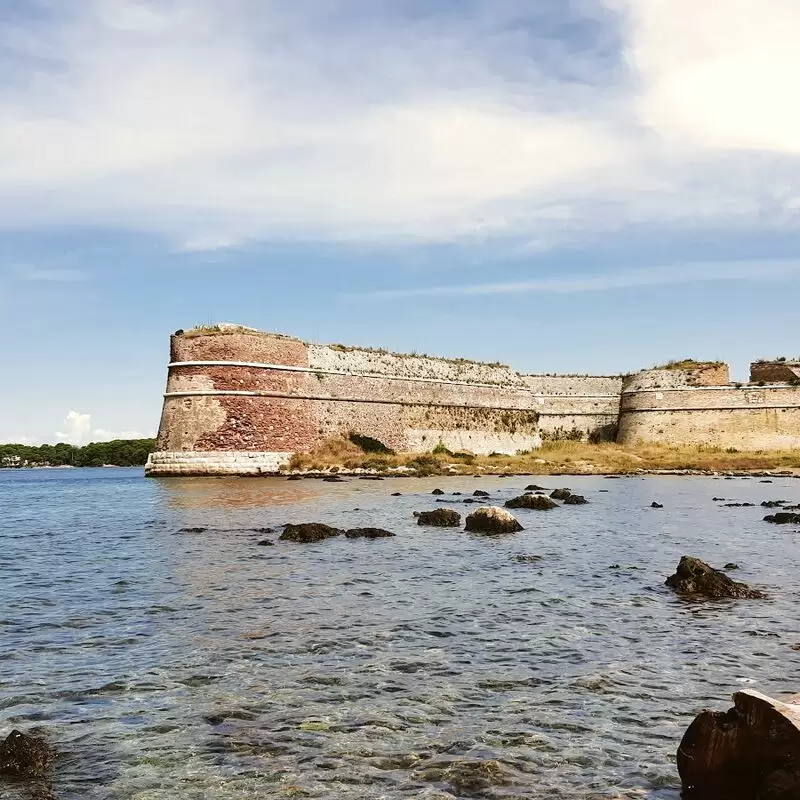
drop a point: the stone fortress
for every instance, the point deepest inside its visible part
(241, 401)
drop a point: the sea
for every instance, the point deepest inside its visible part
(168, 645)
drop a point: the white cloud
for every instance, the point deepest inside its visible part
(652, 276)
(77, 428)
(214, 123)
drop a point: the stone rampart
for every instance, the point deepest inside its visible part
(240, 401)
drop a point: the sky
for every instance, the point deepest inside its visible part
(587, 186)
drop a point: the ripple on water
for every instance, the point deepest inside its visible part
(168, 661)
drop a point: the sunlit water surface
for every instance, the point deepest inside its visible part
(166, 664)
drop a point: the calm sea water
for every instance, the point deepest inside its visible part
(166, 664)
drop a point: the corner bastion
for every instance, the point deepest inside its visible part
(242, 401)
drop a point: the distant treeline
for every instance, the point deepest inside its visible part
(119, 453)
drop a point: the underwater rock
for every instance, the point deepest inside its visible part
(24, 756)
(534, 501)
(368, 533)
(309, 532)
(695, 577)
(492, 519)
(440, 518)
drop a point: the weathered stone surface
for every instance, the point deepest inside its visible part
(560, 494)
(24, 756)
(309, 532)
(492, 519)
(695, 577)
(783, 518)
(534, 501)
(575, 500)
(440, 518)
(368, 533)
(751, 752)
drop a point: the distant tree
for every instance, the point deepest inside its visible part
(119, 453)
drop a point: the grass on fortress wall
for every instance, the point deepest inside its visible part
(553, 457)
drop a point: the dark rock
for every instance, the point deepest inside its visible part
(440, 518)
(417, 513)
(603, 490)
(739, 505)
(533, 501)
(480, 493)
(718, 499)
(765, 481)
(695, 577)
(309, 532)
(491, 520)
(534, 488)
(24, 756)
(265, 543)
(397, 494)
(368, 533)
(437, 491)
(656, 505)
(370, 478)
(333, 479)
(773, 503)
(751, 752)
(263, 530)
(731, 565)
(560, 494)
(457, 494)
(575, 500)
(527, 559)
(294, 478)
(783, 518)
(193, 530)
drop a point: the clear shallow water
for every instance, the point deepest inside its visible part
(200, 665)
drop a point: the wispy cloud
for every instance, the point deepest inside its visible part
(218, 123)
(650, 276)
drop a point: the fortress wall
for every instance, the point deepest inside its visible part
(746, 418)
(574, 385)
(774, 371)
(714, 375)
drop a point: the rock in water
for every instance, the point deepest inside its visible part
(751, 752)
(24, 756)
(534, 488)
(783, 518)
(480, 493)
(440, 518)
(560, 494)
(534, 501)
(368, 533)
(492, 519)
(437, 491)
(654, 504)
(575, 500)
(694, 576)
(309, 532)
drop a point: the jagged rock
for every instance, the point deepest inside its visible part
(783, 518)
(440, 518)
(437, 491)
(492, 519)
(368, 533)
(480, 493)
(534, 488)
(773, 503)
(656, 505)
(309, 532)
(751, 752)
(731, 565)
(575, 500)
(24, 756)
(560, 494)
(534, 501)
(695, 577)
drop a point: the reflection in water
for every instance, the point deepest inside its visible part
(435, 664)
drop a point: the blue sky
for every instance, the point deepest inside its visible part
(585, 185)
